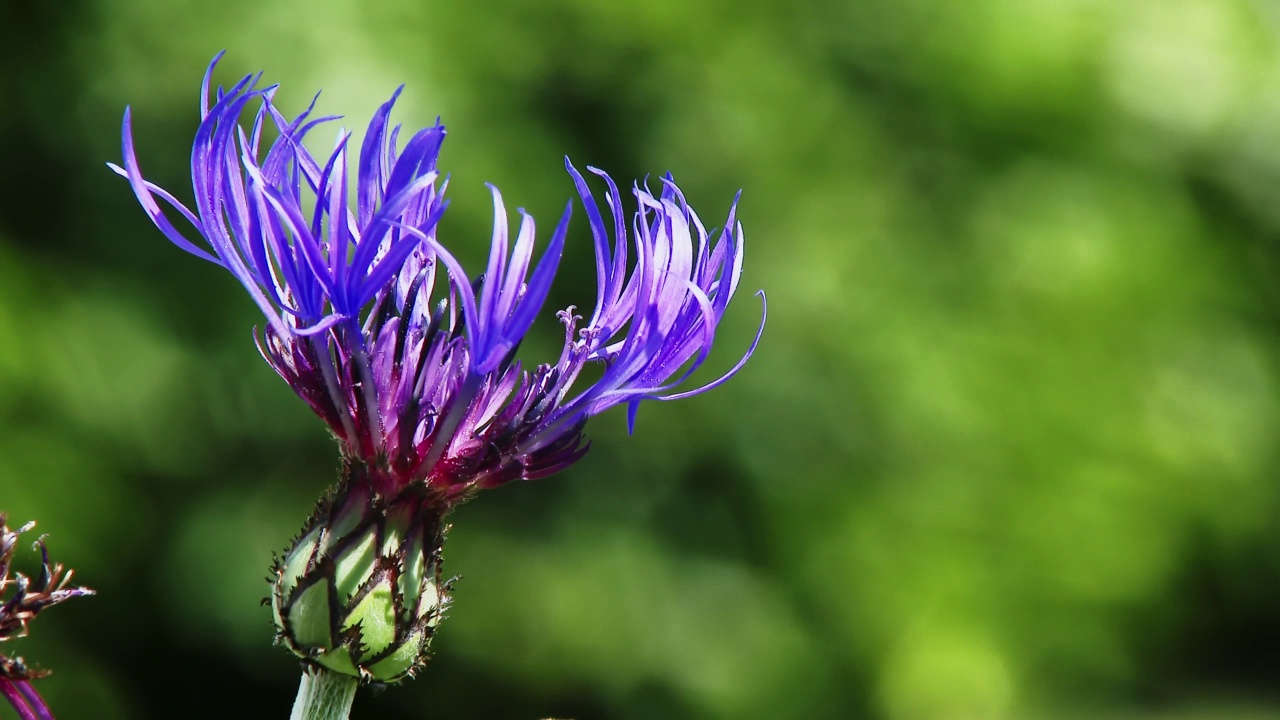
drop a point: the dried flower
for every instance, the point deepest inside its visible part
(21, 599)
(409, 360)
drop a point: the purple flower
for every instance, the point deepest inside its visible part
(410, 360)
(21, 599)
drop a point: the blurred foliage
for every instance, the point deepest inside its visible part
(1007, 449)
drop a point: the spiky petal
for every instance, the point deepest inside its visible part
(378, 327)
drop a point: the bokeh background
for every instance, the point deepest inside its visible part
(1007, 450)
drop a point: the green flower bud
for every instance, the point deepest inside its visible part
(360, 592)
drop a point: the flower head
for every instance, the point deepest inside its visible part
(21, 599)
(408, 359)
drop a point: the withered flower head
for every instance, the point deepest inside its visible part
(21, 599)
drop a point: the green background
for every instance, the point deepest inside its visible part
(1007, 450)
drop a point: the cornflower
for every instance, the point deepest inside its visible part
(411, 361)
(21, 599)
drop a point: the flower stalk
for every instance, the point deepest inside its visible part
(324, 695)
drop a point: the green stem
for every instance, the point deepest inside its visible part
(324, 695)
